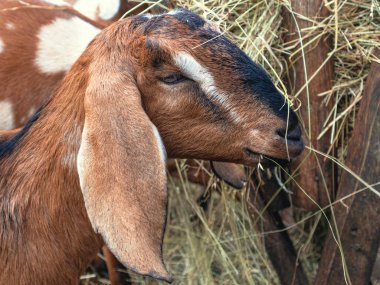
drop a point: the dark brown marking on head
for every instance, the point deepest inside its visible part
(137, 22)
(241, 101)
(218, 114)
(190, 19)
(229, 58)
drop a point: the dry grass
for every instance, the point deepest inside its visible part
(223, 246)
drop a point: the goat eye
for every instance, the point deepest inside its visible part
(173, 78)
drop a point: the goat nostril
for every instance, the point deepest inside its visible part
(281, 132)
(291, 134)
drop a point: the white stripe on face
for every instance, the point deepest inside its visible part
(192, 69)
(195, 71)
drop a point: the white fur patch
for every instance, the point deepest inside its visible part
(108, 9)
(1, 45)
(87, 7)
(62, 42)
(83, 149)
(160, 144)
(10, 26)
(104, 9)
(194, 70)
(7, 120)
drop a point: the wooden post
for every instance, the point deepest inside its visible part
(279, 246)
(311, 178)
(358, 218)
(116, 276)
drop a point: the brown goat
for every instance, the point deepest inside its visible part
(90, 164)
(37, 52)
(30, 51)
(38, 45)
(25, 85)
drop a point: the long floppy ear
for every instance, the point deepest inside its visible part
(231, 173)
(121, 166)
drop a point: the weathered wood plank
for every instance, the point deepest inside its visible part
(279, 246)
(310, 177)
(358, 218)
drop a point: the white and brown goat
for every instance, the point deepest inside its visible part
(39, 50)
(38, 45)
(90, 165)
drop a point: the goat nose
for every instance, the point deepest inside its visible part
(293, 134)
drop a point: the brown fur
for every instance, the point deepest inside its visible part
(47, 223)
(17, 61)
(20, 80)
(34, 87)
(27, 88)
(115, 90)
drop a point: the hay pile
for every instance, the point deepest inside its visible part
(223, 246)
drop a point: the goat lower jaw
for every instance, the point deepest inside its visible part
(266, 160)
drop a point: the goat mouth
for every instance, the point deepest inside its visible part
(264, 159)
